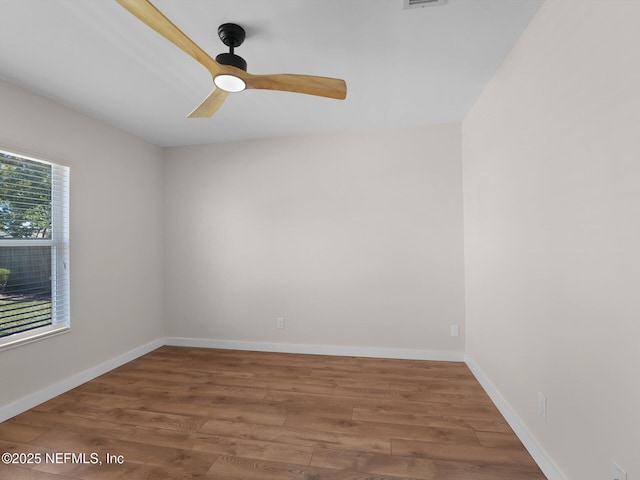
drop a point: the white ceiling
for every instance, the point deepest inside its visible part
(402, 67)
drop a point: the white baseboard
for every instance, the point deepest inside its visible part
(52, 391)
(544, 461)
(348, 351)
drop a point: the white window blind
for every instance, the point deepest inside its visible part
(34, 249)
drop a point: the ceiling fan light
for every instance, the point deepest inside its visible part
(229, 83)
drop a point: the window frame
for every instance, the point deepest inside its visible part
(59, 244)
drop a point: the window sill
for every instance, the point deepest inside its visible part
(23, 338)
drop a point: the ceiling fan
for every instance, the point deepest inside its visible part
(229, 71)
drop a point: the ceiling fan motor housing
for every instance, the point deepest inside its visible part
(233, 60)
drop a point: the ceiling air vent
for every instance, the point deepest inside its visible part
(422, 3)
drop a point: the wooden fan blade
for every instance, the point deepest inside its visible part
(150, 15)
(210, 105)
(308, 84)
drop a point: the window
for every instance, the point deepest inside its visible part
(34, 249)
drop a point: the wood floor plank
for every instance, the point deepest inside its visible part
(276, 384)
(498, 439)
(391, 430)
(172, 421)
(221, 410)
(300, 436)
(345, 402)
(516, 455)
(418, 467)
(224, 445)
(21, 433)
(193, 413)
(52, 421)
(10, 472)
(404, 417)
(304, 403)
(475, 411)
(236, 468)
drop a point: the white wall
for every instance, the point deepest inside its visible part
(355, 239)
(552, 232)
(116, 240)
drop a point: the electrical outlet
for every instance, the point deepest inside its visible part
(455, 330)
(280, 322)
(542, 405)
(617, 473)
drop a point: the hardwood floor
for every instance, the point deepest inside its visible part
(187, 413)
